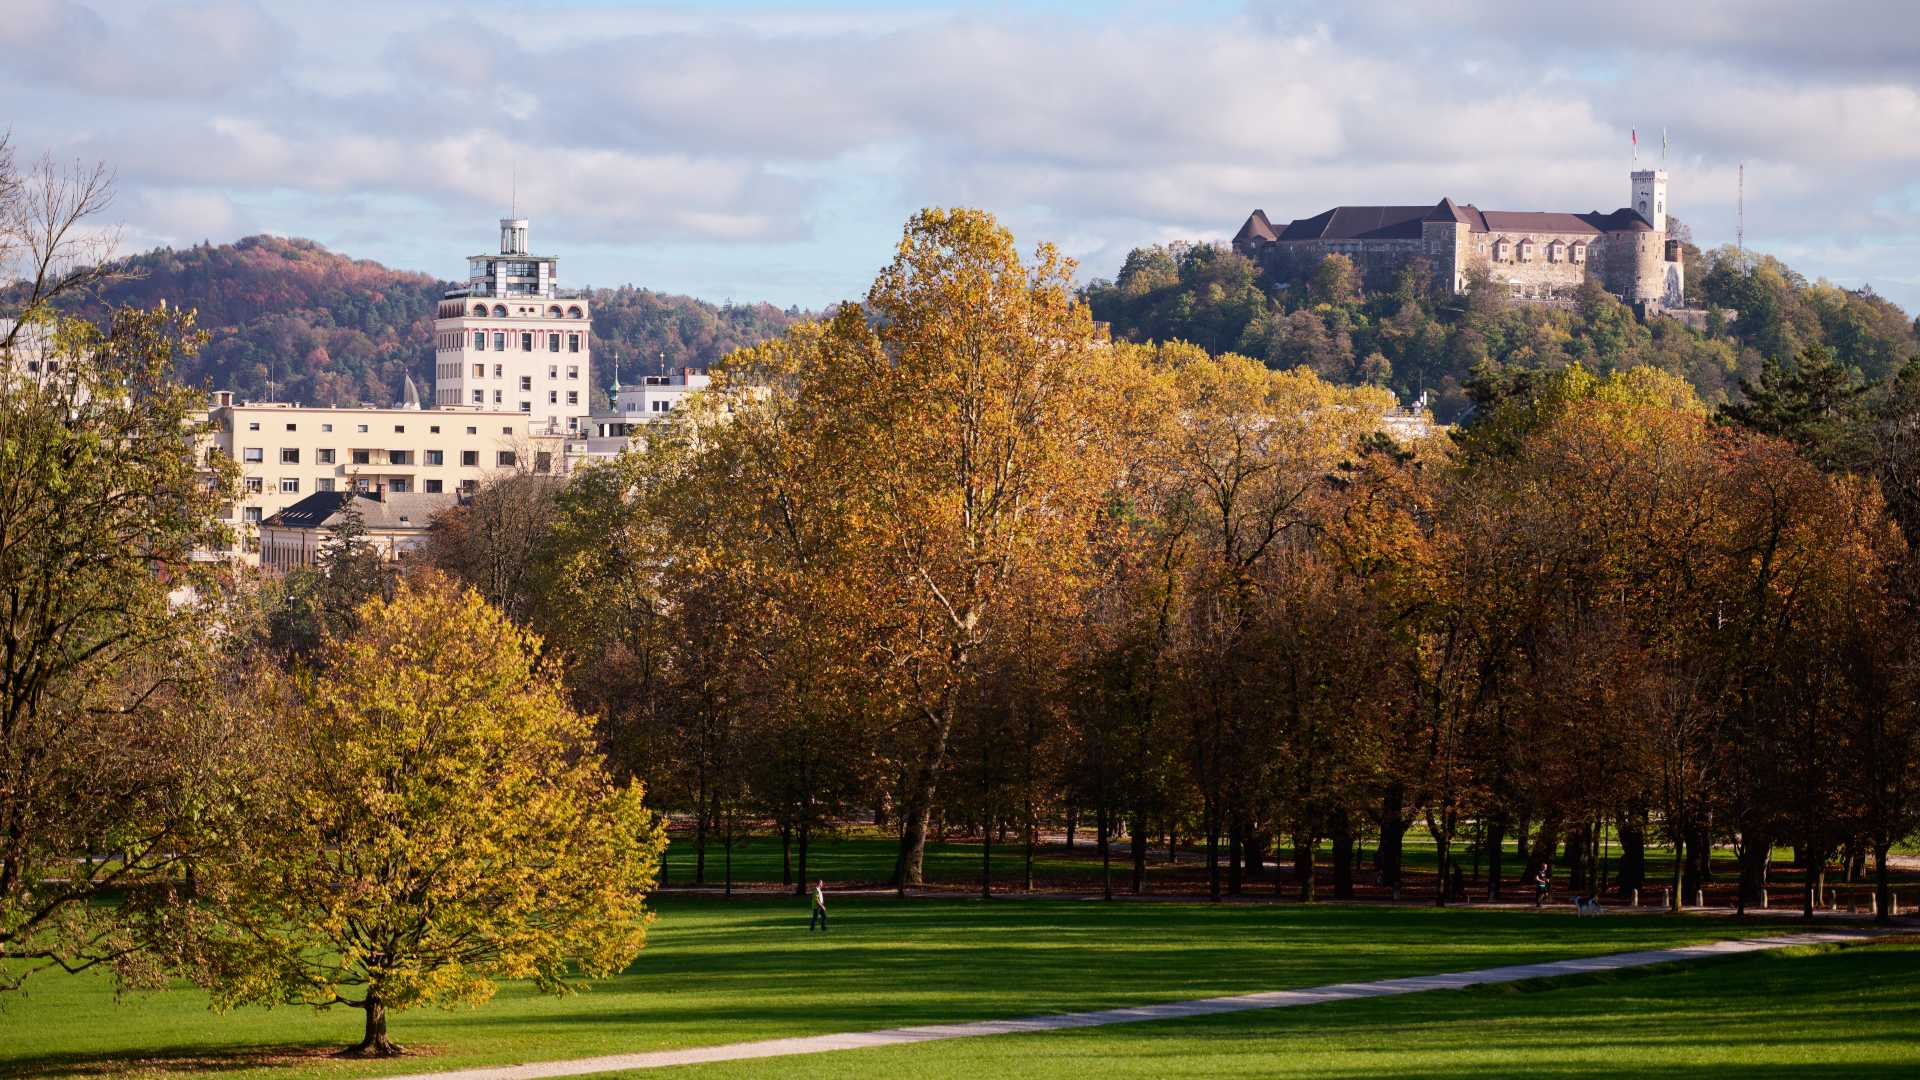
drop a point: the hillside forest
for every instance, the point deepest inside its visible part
(1415, 339)
(289, 320)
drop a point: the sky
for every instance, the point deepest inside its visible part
(773, 151)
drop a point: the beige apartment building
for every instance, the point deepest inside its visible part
(287, 452)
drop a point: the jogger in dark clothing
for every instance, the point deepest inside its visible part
(819, 908)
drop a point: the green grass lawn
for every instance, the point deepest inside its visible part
(1806, 1013)
(721, 972)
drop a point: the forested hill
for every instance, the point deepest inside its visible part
(1411, 340)
(290, 320)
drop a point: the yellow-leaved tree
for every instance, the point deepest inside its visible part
(446, 822)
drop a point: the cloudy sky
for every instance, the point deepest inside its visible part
(772, 150)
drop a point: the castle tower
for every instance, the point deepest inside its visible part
(1650, 197)
(513, 340)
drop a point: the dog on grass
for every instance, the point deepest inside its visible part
(1588, 905)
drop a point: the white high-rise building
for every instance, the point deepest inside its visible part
(514, 340)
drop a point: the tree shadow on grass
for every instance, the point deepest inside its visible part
(195, 1061)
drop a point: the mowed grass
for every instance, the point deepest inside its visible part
(1830, 1012)
(719, 971)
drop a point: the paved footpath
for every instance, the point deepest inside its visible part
(1173, 1010)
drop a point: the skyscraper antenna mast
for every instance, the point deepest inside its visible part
(513, 196)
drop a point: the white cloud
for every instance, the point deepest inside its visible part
(732, 135)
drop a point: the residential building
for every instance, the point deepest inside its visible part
(287, 452)
(636, 407)
(395, 524)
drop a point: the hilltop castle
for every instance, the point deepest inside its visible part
(1538, 255)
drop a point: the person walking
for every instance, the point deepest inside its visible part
(819, 908)
(1541, 883)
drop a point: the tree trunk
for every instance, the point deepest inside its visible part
(986, 860)
(1882, 887)
(1342, 856)
(1303, 865)
(1393, 824)
(786, 853)
(1633, 855)
(375, 1043)
(1255, 853)
(800, 884)
(1496, 850)
(1234, 833)
(1213, 859)
(1576, 861)
(1073, 820)
(1754, 849)
(1137, 836)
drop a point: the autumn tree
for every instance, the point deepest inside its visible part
(109, 742)
(959, 400)
(447, 822)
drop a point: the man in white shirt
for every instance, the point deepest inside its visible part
(819, 908)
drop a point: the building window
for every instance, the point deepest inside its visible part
(573, 371)
(289, 484)
(293, 427)
(526, 406)
(573, 342)
(431, 487)
(479, 397)
(479, 371)
(543, 462)
(573, 397)
(553, 342)
(289, 457)
(324, 457)
(363, 457)
(499, 312)
(399, 457)
(553, 371)
(659, 406)
(470, 459)
(471, 430)
(400, 484)
(497, 399)
(253, 425)
(326, 427)
(573, 312)
(526, 341)
(399, 429)
(480, 340)
(504, 459)
(362, 428)
(436, 457)
(325, 483)
(500, 340)
(251, 514)
(469, 486)
(253, 454)
(573, 423)
(553, 397)
(526, 382)
(434, 429)
(252, 485)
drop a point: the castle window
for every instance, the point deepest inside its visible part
(1500, 250)
(1579, 253)
(1553, 251)
(1525, 251)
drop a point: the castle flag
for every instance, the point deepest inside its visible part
(1634, 133)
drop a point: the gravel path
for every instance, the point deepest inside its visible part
(1272, 999)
